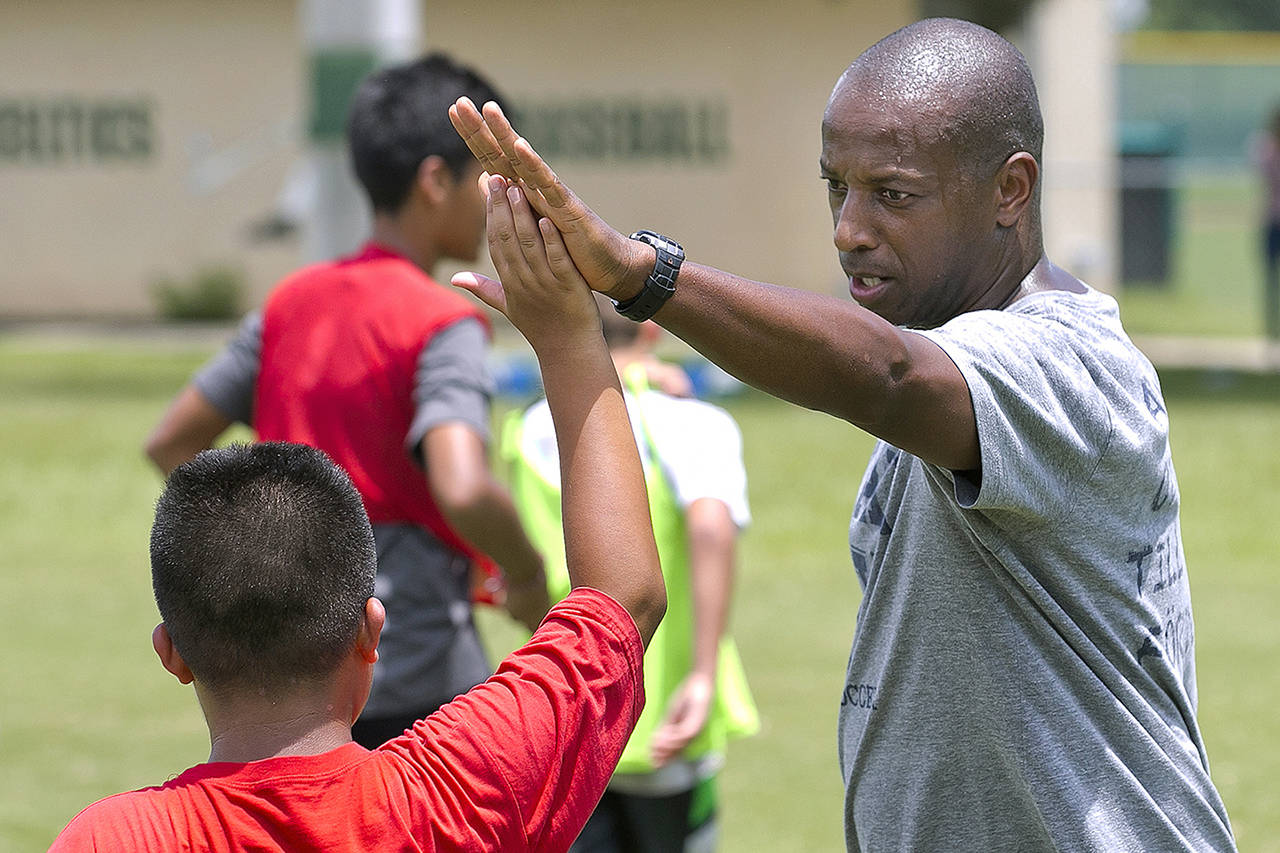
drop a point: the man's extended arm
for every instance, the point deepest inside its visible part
(830, 355)
(813, 350)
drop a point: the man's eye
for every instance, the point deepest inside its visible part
(894, 195)
(834, 186)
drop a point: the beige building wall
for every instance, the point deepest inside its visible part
(139, 139)
(710, 130)
(217, 91)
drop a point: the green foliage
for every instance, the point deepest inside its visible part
(215, 293)
(88, 711)
(998, 15)
(1213, 15)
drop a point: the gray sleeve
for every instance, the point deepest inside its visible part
(1044, 419)
(453, 382)
(227, 380)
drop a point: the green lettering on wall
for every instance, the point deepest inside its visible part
(627, 129)
(76, 131)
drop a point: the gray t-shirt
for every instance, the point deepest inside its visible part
(430, 651)
(1022, 674)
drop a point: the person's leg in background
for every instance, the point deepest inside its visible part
(1271, 283)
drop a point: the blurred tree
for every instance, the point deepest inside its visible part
(1213, 15)
(998, 15)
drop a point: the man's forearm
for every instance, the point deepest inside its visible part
(830, 355)
(816, 351)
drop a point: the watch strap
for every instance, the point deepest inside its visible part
(660, 284)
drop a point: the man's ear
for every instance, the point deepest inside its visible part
(168, 654)
(375, 616)
(435, 180)
(1015, 187)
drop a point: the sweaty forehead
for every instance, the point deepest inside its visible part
(921, 77)
(926, 93)
(883, 119)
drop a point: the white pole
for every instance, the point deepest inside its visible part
(343, 41)
(1073, 54)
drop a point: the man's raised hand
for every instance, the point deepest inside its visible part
(539, 288)
(610, 263)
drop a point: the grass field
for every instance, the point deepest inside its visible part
(85, 710)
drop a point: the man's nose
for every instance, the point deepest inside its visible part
(854, 230)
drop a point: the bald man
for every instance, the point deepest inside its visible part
(1022, 674)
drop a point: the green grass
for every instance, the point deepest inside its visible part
(85, 710)
(1225, 433)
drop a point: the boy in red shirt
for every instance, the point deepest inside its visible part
(263, 564)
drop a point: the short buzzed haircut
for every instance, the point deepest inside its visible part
(399, 117)
(978, 84)
(262, 559)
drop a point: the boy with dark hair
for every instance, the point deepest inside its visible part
(372, 361)
(395, 122)
(263, 556)
(219, 519)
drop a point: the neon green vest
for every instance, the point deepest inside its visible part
(670, 654)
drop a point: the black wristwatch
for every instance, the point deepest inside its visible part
(660, 284)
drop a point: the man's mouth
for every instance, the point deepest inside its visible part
(864, 286)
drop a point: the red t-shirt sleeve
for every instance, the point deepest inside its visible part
(122, 820)
(524, 757)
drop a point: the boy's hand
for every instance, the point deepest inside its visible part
(670, 379)
(527, 601)
(610, 262)
(539, 288)
(687, 713)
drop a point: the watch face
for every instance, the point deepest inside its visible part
(660, 242)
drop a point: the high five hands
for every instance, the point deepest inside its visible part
(539, 288)
(609, 262)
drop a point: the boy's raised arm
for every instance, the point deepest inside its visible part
(609, 541)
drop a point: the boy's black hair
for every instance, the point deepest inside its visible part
(400, 117)
(262, 559)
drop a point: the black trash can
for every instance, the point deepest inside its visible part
(1147, 153)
